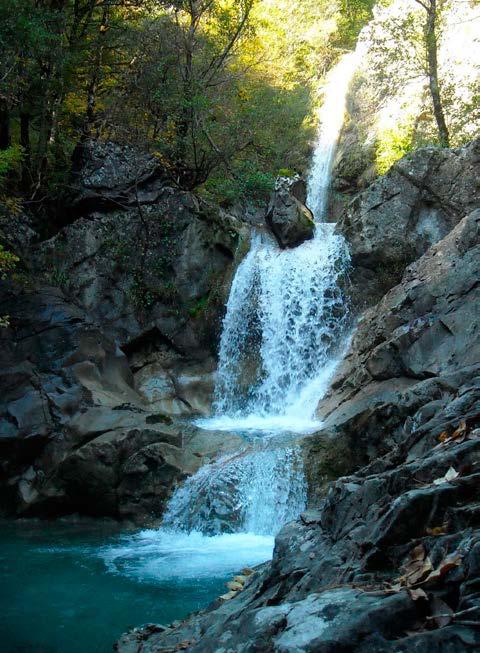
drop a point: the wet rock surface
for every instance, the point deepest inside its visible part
(290, 221)
(398, 217)
(386, 559)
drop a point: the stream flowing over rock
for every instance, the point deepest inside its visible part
(342, 417)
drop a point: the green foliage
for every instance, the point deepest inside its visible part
(247, 183)
(286, 172)
(392, 144)
(199, 307)
(58, 277)
(10, 161)
(354, 14)
(8, 262)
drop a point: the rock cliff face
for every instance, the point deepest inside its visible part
(398, 217)
(113, 334)
(387, 557)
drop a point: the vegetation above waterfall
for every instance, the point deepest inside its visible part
(223, 92)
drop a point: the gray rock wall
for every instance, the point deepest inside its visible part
(398, 217)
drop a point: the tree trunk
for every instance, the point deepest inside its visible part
(431, 43)
(95, 76)
(27, 150)
(4, 126)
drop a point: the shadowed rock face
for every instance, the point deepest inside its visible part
(113, 337)
(387, 553)
(398, 217)
(76, 435)
(290, 221)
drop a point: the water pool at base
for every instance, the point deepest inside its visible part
(75, 587)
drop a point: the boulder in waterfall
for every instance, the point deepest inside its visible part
(403, 213)
(290, 221)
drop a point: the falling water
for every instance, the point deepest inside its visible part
(331, 116)
(253, 491)
(285, 322)
(286, 315)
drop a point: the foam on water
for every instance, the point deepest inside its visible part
(160, 555)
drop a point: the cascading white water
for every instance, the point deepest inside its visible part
(286, 314)
(285, 322)
(285, 317)
(253, 491)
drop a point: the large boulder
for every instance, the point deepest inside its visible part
(290, 221)
(110, 175)
(398, 217)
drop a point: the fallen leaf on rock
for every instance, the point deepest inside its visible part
(416, 568)
(458, 435)
(247, 571)
(444, 567)
(436, 531)
(417, 594)
(449, 476)
(460, 431)
(234, 586)
(442, 614)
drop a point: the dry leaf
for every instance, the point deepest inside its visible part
(417, 567)
(444, 567)
(443, 437)
(417, 594)
(442, 614)
(449, 476)
(436, 530)
(460, 431)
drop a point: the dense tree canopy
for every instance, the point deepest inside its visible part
(222, 90)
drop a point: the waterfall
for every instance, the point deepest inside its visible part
(282, 334)
(286, 315)
(250, 491)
